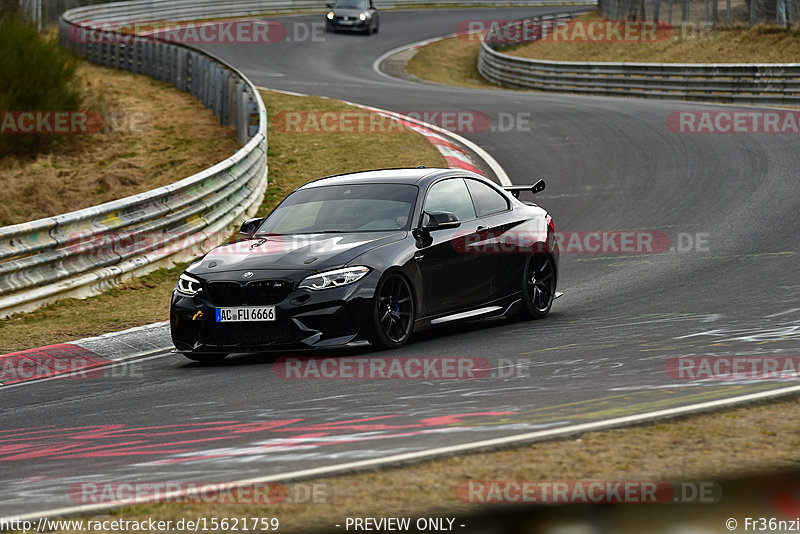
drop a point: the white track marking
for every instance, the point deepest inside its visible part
(440, 451)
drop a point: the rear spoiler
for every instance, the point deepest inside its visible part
(515, 190)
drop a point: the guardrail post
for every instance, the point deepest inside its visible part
(190, 74)
(218, 83)
(169, 61)
(225, 111)
(134, 46)
(207, 82)
(241, 113)
(157, 65)
(252, 116)
(181, 70)
(161, 62)
(198, 77)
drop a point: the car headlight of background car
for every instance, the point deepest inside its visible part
(188, 285)
(330, 15)
(337, 278)
(362, 16)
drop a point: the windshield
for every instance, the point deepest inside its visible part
(351, 4)
(344, 208)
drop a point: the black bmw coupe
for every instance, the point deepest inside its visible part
(369, 257)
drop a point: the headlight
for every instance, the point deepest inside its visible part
(339, 277)
(330, 15)
(362, 16)
(188, 285)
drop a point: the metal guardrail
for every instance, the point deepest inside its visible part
(721, 82)
(93, 249)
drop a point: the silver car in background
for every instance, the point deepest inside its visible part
(353, 15)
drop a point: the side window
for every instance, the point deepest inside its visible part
(487, 200)
(451, 195)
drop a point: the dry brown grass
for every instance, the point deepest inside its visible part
(758, 44)
(450, 61)
(154, 135)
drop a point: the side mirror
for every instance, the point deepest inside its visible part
(250, 226)
(441, 220)
(329, 6)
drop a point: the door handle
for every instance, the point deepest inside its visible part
(481, 228)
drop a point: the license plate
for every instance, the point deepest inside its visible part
(250, 313)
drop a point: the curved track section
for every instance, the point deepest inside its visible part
(611, 164)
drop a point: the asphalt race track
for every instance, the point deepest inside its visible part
(610, 164)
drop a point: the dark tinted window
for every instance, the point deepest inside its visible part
(451, 195)
(351, 4)
(344, 208)
(487, 200)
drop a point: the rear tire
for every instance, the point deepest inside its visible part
(539, 279)
(206, 356)
(393, 312)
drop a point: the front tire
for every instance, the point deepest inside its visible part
(538, 286)
(208, 357)
(394, 312)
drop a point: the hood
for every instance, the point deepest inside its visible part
(301, 252)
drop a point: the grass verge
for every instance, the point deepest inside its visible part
(294, 159)
(748, 44)
(153, 135)
(453, 61)
(734, 443)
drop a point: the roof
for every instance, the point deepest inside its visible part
(398, 176)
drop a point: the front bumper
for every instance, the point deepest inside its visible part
(353, 25)
(305, 319)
